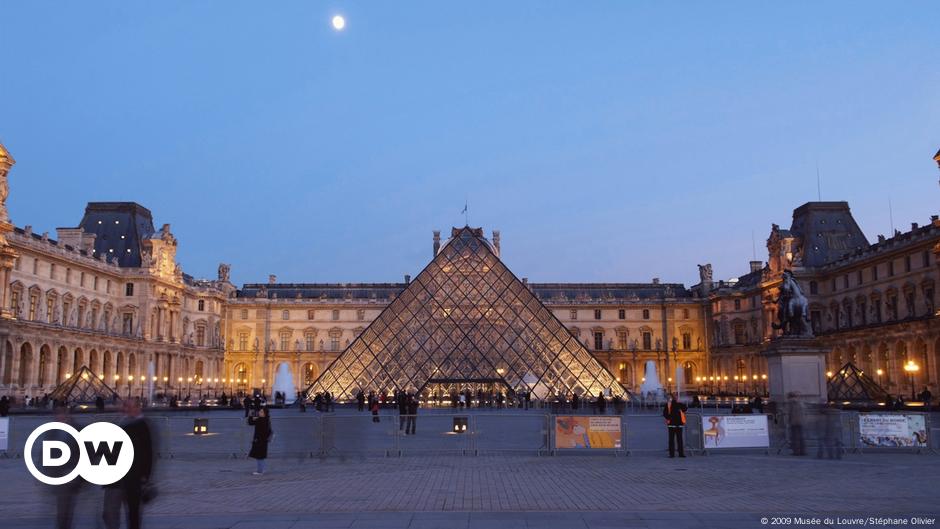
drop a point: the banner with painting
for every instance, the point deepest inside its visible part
(735, 431)
(573, 431)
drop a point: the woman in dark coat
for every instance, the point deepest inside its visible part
(259, 443)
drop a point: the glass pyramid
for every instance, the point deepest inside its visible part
(466, 320)
(851, 384)
(83, 388)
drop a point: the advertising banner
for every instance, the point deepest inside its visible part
(735, 431)
(4, 432)
(892, 430)
(573, 431)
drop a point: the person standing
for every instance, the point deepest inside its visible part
(795, 421)
(4, 406)
(412, 415)
(129, 489)
(402, 401)
(360, 400)
(674, 413)
(374, 408)
(262, 436)
(601, 404)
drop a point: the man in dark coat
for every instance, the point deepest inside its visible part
(129, 489)
(360, 400)
(412, 415)
(401, 399)
(674, 413)
(261, 438)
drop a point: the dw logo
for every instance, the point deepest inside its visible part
(101, 453)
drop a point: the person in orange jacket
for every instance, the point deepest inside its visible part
(674, 413)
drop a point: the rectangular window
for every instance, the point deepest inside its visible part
(598, 341)
(647, 341)
(573, 315)
(597, 314)
(128, 323)
(834, 287)
(96, 284)
(737, 304)
(685, 314)
(311, 314)
(129, 289)
(686, 341)
(874, 273)
(107, 289)
(646, 314)
(201, 305)
(891, 268)
(68, 275)
(308, 342)
(243, 341)
(334, 343)
(740, 333)
(360, 314)
(858, 277)
(244, 314)
(35, 266)
(335, 316)
(81, 280)
(200, 336)
(621, 314)
(845, 281)
(52, 271)
(622, 340)
(33, 304)
(815, 318)
(285, 314)
(813, 288)
(926, 258)
(285, 341)
(907, 263)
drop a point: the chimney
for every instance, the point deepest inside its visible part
(881, 238)
(757, 266)
(407, 279)
(272, 279)
(437, 242)
(913, 226)
(655, 280)
(496, 241)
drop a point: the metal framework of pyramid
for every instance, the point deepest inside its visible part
(852, 385)
(466, 318)
(82, 387)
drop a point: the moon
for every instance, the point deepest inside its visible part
(339, 23)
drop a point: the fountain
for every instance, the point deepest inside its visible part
(651, 384)
(284, 382)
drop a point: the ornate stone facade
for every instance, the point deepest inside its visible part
(109, 294)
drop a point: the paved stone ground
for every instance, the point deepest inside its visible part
(506, 491)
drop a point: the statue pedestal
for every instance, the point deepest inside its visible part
(796, 365)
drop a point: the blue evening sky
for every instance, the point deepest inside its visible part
(608, 141)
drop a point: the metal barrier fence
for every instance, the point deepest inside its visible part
(466, 433)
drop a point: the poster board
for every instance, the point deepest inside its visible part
(588, 432)
(892, 430)
(735, 431)
(4, 433)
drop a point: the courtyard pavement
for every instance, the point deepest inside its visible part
(454, 492)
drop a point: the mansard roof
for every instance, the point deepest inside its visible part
(828, 232)
(110, 221)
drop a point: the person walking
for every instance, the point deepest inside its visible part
(4, 406)
(401, 399)
(360, 400)
(412, 410)
(601, 404)
(132, 488)
(795, 420)
(674, 413)
(262, 436)
(374, 408)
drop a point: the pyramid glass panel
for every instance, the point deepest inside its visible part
(466, 320)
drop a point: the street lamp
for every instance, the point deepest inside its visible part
(911, 369)
(130, 380)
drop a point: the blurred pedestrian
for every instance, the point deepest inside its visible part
(412, 415)
(65, 494)
(830, 425)
(374, 408)
(796, 419)
(135, 487)
(4, 406)
(360, 400)
(401, 399)
(262, 436)
(674, 413)
(601, 404)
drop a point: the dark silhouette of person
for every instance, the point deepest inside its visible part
(601, 404)
(674, 413)
(412, 415)
(360, 400)
(128, 490)
(261, 438)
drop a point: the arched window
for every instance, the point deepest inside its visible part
(688, 371)
(26, 360)
(309, 373)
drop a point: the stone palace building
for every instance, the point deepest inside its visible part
(108, 294)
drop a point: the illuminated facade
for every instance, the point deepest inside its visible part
(108, 294)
